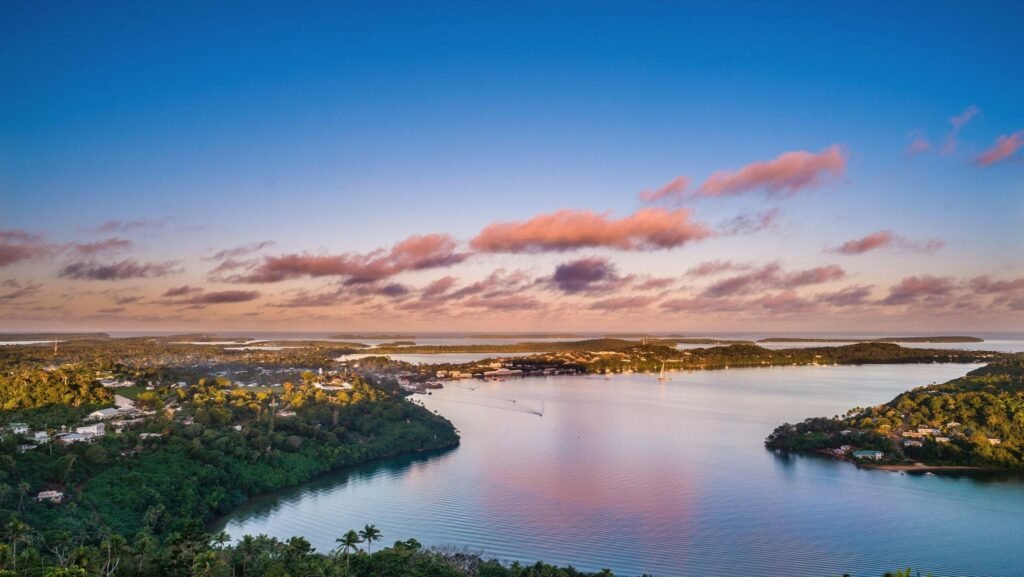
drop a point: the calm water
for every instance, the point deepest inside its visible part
(669, 479)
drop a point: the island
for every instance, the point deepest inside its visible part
(974, 422)
(934, 339)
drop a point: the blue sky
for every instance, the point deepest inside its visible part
(342, 127)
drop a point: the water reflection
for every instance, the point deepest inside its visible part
(669, 479)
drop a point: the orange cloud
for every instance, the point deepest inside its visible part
(564, 230)
(788, 173)
(675, 188)
(1004, 147)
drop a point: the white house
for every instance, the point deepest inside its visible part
(868, 454)
(104, 414)
(93, 430)
(51, 496)
(912, 443)
(70, 438)
(18, 428)
(341, 387)
(40, 437)
(122, 402)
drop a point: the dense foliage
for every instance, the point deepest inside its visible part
(976, 420)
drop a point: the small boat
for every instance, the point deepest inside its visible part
(662, 377)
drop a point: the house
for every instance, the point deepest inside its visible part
(941, 439)
(952, 424)
(868, 454)
(18, 428)
(104, 414)
(150, 435)
(26, 448)
(342, 387)
(51, 496)
(112, 383)
(122, 402)
(928, 431)
(70, 438)
(912, 443)
(503, 373)
(40, 437)
(93, 430)
(995, 441)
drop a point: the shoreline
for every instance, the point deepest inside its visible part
(930, 468)
(907, 468)
(220, 521)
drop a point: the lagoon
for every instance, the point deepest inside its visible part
(668, 478)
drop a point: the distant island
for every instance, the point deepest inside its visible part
(936, 339)
(347, 336)
(975, 421)
(51, 336)
(506, 336)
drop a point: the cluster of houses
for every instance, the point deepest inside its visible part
(860, 454)
(916, 438)
(122, 415)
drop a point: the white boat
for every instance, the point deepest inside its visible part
(662, 377)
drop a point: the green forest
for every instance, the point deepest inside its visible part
(976, 420)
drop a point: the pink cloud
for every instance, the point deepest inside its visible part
(870, 242)
(958, 122)
(125, 269)
(108, 245)
(675, 188)
(618, 303)
(511, 303)
(771, 276)
(985, 285)
(439, 287)
(119, 225)
(785, 302)
(18, 245)
(414, 253)
(912, 289)
(182, 291)
(1004, 147)
(564, 230)
(20, 290)
(703, 304)
(887, 239)
(240, 251)
(812, 276)
(218, 297)
(788, 173)
(713, 267)
(846, 297)
(919, 143)
(749, 223)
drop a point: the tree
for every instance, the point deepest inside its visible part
(18, 531)
(369, 534)
(347, 543)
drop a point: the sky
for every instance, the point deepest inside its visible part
(511, 166)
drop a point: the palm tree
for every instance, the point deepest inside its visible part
(369, 534)
(347, 543)
(19, 533)
(23, 488)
